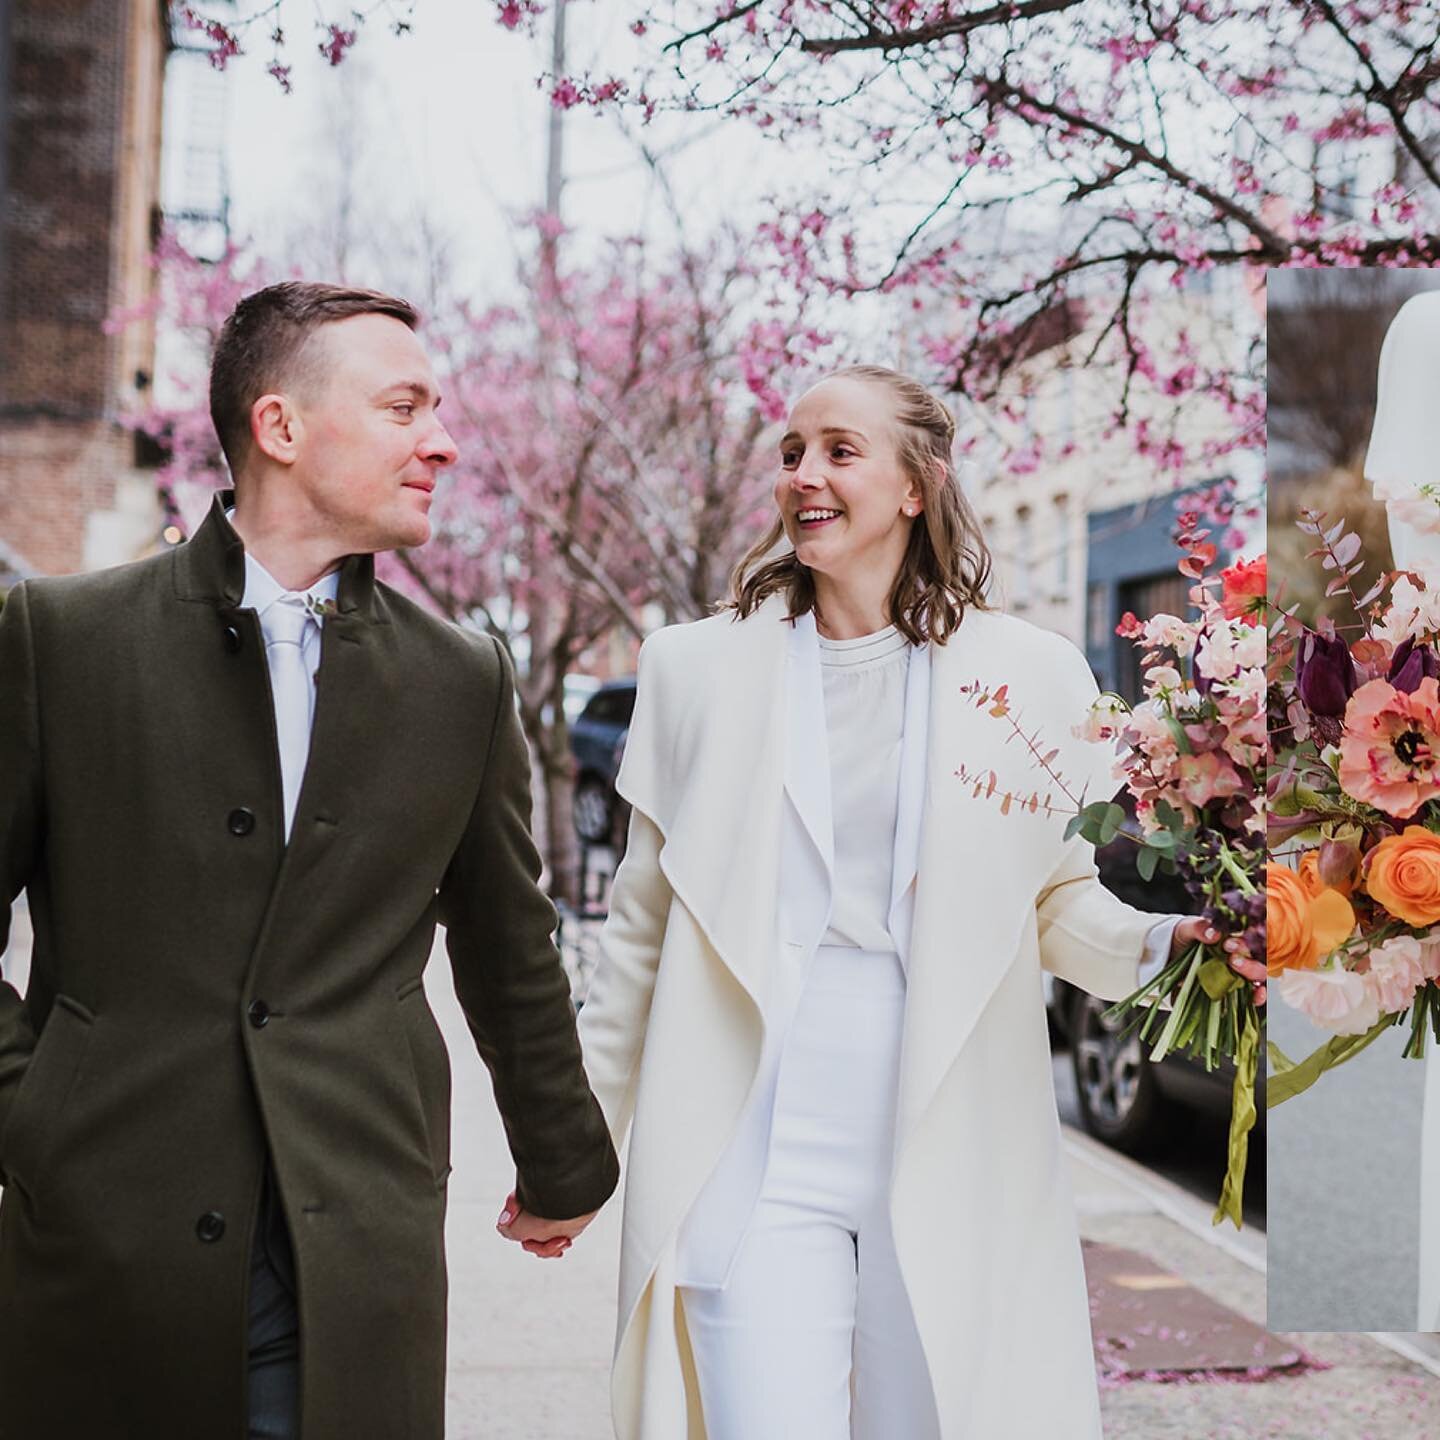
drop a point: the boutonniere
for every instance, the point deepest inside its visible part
(319, 609)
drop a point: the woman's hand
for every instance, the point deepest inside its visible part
(549, 1239)
(1195, 930)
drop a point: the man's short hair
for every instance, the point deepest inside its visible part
(262, 342)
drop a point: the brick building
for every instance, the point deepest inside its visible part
(80, 122)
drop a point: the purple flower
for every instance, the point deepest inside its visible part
(1324, 674)
(1411, 664)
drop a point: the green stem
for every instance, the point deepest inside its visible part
(1166, 1042)
(1235, 872)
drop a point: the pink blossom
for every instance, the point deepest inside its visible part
(336, 42)
(565, 94)
(1396, 972)
(1336, 999)
(1207, 778)
(1104, 719)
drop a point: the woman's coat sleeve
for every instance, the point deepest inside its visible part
(1089, 937)
(617, 1008)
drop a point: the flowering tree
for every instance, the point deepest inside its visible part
(608, 477)
(1037, 173)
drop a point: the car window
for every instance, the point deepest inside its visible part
(611, 707)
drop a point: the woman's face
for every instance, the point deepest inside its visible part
(846, 502)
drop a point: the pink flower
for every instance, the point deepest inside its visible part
(1396, 972)
(1391, 745)
(1336, 1000)
(1430, 957)
(1208, 777)
(336, 42)
(1104, 719)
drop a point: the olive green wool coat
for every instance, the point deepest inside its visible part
(200, 990)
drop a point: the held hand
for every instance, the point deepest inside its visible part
(549, 1239)
(1196, 930)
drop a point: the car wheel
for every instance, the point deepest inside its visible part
(592, 812)
(1120, 1101)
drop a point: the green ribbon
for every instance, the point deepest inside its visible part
(1288, 1078)
(1242, 1120)
(1217, 979)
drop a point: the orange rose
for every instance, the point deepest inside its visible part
(1404, 875)
(1300, 927)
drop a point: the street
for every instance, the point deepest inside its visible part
(1345, 1188)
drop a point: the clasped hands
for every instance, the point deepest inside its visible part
(1196, 930)
(549, 1239)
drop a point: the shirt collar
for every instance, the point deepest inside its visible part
(262, 589)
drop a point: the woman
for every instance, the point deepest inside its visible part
(819, 989)
(1401, 458)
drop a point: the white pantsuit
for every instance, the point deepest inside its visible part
(703, 1032)
(815, 1279)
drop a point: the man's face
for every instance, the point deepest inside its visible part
(372, 445)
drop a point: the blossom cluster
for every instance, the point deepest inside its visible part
(1197, 743)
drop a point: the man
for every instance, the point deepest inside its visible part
(241, 781)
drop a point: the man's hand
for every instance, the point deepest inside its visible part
(549, 1239)
(1196, 930)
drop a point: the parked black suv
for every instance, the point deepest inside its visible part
(597, 741)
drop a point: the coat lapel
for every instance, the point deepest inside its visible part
(980, 867)
(345, 741)
(717, 710)
(910, 808)
(807, 860)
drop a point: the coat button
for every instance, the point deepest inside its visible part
(233, 639)
(241, 821)
(210, 1226)
(258, 1013)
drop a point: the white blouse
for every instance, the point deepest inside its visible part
(864, 684)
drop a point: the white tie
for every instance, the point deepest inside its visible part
(290, 683)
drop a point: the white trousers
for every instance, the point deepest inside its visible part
(813, 1336)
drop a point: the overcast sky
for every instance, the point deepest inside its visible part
(443, 126)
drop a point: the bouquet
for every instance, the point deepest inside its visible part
(1354, 790)
(1194, 760)
(1193, 763)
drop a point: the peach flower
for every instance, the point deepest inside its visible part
(1309, 873)
(1299, 927)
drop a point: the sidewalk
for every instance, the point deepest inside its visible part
(530, 1339)
(1372, 1387)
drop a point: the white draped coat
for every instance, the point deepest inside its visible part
(694, 976)
(1399, 460)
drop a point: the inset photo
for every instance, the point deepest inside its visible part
(1353, 882)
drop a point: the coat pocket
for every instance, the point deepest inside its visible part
(38, 1111)
(430, 1062)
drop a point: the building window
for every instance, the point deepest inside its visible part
(1062, 545)
(1097, 619)
(1024, 557)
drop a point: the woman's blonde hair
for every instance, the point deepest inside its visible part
(946, 564)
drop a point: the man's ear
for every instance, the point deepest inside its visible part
(276, 428)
